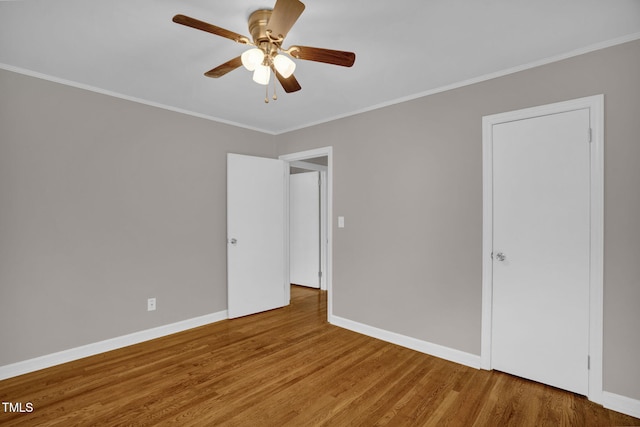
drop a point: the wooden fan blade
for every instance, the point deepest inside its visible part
(285, 14)
(328, 56)
(209, 28)
(223, 69)
(289, 84)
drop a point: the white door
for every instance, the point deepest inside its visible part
(255, 234)
(541, 253)
(304, 229)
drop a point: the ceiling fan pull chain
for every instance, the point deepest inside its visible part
(266, 94)
(275, 96)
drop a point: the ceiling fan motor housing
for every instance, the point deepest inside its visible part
(258, 25)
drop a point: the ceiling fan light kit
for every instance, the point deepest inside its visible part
(252, 58)
(284, 65)
(268, 29)
(262, 74)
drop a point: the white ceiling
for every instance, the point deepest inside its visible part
(404, 48)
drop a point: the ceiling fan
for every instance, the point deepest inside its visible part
(268, 29)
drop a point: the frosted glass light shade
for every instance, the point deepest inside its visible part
(261, 75)
(284, 65)
(252, 58)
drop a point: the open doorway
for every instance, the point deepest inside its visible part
(313, 165)
(307, 222)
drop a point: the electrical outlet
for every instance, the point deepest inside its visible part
(151, 304)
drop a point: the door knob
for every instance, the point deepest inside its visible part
(500, 256)
(233, 241)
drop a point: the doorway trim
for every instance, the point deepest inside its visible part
(327, 239)
(595, 104)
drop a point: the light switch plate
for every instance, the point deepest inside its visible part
(340, 222)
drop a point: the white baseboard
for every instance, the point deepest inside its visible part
(619, 403)
(31, 365)
(436, 350)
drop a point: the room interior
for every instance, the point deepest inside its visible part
(113, 178)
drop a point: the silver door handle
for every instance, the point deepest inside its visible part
(233, 241)
(500, 256)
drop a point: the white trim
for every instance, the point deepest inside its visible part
(310, 154)
(576, 52)
(101, 91)
(619, 403)
(323, 229)
(596, 279)
(307, 165)
(46, 361)
(596, 106)
(426, 347)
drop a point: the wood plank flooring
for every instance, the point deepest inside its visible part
(286, 367)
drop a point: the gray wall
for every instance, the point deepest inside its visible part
(408, 179)
(104, 203)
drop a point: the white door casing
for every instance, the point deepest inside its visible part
(547, 292)
(324, 230)
(326, 216)
(256, 279)
(304, 229)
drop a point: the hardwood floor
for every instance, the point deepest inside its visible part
(286, 367)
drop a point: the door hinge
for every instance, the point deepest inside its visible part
(588, 362)
(590, 135)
